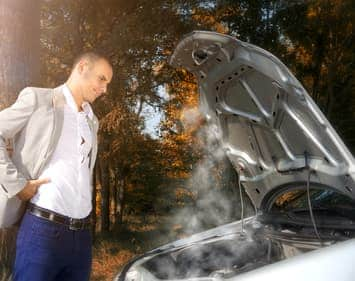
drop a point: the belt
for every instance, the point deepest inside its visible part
(73, 224)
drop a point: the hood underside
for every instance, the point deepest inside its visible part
(272, 131)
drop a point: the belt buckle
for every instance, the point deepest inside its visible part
(73, 223)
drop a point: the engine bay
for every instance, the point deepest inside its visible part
(233, 254)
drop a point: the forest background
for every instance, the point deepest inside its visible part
(160, 175)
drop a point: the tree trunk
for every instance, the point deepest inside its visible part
(19, 47)
(105, 197)
(118, 208)
(111, 194)
(318, 59)
(94, 192)
(114, 198)
(123, 199)
(121, 202)
(19, 67)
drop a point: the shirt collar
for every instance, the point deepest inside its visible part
(88, 110)
(72, 104)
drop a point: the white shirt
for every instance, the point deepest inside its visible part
(69, 191)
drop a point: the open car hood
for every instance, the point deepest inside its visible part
(271, 129)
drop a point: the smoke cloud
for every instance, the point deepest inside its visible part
(213, 183)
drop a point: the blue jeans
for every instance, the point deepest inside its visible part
(47, 251)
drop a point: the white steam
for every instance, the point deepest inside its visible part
(213, 182)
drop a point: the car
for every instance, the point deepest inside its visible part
(292, 164)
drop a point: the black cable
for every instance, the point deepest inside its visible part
(241, 202)
(309, 197)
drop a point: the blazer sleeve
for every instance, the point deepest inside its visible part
(12, 120)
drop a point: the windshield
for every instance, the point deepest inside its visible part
(323, 201)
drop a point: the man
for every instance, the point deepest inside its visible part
(55, 145)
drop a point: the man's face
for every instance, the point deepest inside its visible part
(95, 78)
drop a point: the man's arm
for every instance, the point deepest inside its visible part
(12, 120)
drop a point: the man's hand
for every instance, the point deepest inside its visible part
(31, 188)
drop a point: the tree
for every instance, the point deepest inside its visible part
(20, 47)
(320, 38)
(19, 53)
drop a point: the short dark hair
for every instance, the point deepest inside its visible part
(90, 56)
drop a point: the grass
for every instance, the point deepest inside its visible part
(112, 250)
(108, 260)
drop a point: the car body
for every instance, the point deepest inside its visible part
(292, 164)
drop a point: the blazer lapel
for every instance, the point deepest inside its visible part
(58, 102)
(93, 128)
(58, 106)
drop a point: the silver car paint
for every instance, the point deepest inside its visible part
(272, 131)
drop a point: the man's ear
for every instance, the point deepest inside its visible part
(82, 65)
